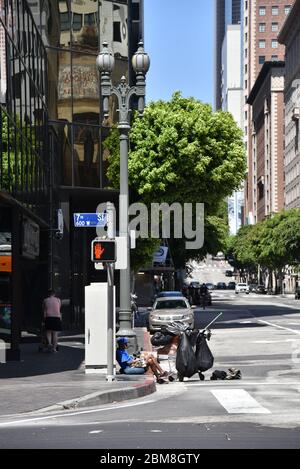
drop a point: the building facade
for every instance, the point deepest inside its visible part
(228, 82)
(227, 12)
(290, 38)
(232, 101)
(52, 101)
(262, 21)
(267, 101)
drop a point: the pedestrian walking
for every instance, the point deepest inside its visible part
(52, 319)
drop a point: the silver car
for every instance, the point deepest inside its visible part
(170, 309)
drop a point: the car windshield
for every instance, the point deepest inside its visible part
(171, 304)
(242, 284)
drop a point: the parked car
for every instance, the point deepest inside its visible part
(297, 293)
(261, 290)
(210, 286)
(194, 284)
(169, 309)
(221, 286)
(231, 285)
(242, 288)
(228, 273)
(252, 287)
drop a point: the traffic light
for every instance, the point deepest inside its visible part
(103, 250)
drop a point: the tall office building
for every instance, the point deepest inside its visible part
(228, 74)
(52, 158)
(227, 12)
(262, 20)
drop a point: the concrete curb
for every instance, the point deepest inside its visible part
(103, 397)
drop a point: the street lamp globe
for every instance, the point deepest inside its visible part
(105, 61)
(141, 60)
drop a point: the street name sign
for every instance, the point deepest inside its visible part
(89, 220)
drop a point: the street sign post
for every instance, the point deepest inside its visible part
(89, 220)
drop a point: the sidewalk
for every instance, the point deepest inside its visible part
(57, 381)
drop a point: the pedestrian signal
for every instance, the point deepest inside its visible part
(103, 251)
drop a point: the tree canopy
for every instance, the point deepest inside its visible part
(181, 151)
(272, 243)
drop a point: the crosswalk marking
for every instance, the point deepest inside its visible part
(238, 401)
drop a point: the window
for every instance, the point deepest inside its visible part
(274, 58)
(274, 43)
(287, 9)
(262, 44)
(65, 21)
(77, 22)
(274, 27)
(262, 11)
(275, 11)
(262, 27)
(261, 59)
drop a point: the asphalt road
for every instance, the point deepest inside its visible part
(259, 335)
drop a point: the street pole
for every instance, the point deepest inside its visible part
(125, 283)
(110, 299)
(140, 63)
(110, 323)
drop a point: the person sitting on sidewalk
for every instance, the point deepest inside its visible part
(136, 366)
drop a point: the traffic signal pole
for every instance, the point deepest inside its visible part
(110, 299)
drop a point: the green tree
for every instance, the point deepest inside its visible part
(181, 151)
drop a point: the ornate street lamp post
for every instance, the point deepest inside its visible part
(105, 64)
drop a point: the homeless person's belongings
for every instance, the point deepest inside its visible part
(233, 373)
(186, 363)
(193, 353)
(204, 357)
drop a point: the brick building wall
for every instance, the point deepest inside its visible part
(263, 20)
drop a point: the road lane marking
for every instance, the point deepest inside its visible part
(49, 417)
(238, 401)
(279, 327)
(95, 432)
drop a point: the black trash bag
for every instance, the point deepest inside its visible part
(204, 357)
(159, 339)
(186, 364)
(218, 374)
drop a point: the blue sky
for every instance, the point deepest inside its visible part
(179, 37)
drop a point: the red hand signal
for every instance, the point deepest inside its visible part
(98, 250)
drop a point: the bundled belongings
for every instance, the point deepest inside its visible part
(193, 354)
(186, 363)
(204, 357)
(160, 339)
(233, 373)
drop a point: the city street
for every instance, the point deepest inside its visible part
(257, 334)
